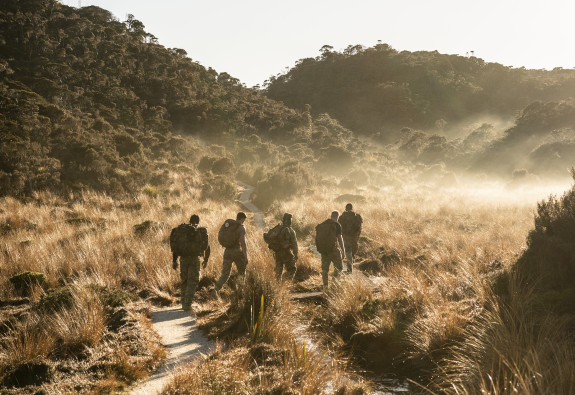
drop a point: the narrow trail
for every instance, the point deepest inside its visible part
(259, 217)
(183, 340)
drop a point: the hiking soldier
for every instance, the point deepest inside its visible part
(232, 236)
(351, 224)
(282, 241)
(327, 238)
(189, 242)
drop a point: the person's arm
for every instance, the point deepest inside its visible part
(341, 246)
(243, 245)
(175, 261)
(338, 233)
(293, 244)
(206, 256)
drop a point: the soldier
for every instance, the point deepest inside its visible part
(351, 224)
(189, 242)
(327, 238)
(232, 236)
(282, 241)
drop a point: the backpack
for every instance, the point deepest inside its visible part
(325, 237)
(228, 236)
(188, 240)
(277, 237)
(350, 223)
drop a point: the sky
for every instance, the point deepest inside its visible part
(253, 40)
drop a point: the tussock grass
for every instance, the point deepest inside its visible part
(448, 252)
(428, 312)
(216, 375)
(62, 333)
(29, 343)
(507, 350)
(93, 262)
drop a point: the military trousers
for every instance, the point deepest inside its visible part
(190, 276)
(284, 260)
(326, 260)
(351, 246)
(231, 255)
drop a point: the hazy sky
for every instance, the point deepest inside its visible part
(255, 39)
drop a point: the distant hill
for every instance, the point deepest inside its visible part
(88, 101)
(380, 90)
(541, 142)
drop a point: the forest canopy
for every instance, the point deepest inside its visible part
(88, 101)
(378, 88)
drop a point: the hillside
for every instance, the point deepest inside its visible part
(379, 89)
(108, 140)
(425, 108)
(87, 101)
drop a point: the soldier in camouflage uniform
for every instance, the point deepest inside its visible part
(335, 251)
(190, 270)
(287, 255)
(237, 254)
(351, 225)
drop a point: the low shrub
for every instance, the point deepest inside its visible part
(111, 297)
(334, 160)
(56, 299)
(223, 166)
(25, 282)
(290, 179)
(219, 188)
(550, 257)
(206, 162)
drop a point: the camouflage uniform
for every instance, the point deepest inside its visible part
(190, 267)
(286, 257)
(351, 237)
(190, 275)
(333, 256)
(232, 255)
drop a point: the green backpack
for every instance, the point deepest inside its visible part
(277, 237)
(351, 223)
(228, 236)
(326, 237)
(188, 240)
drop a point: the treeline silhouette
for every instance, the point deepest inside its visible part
(376, 89)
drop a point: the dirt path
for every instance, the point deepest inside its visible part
(259, 217)
(183, 340)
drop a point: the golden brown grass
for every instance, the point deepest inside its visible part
(56, 333)
(451, 248)
(508, 350)
(432, 312)
(90, 239)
